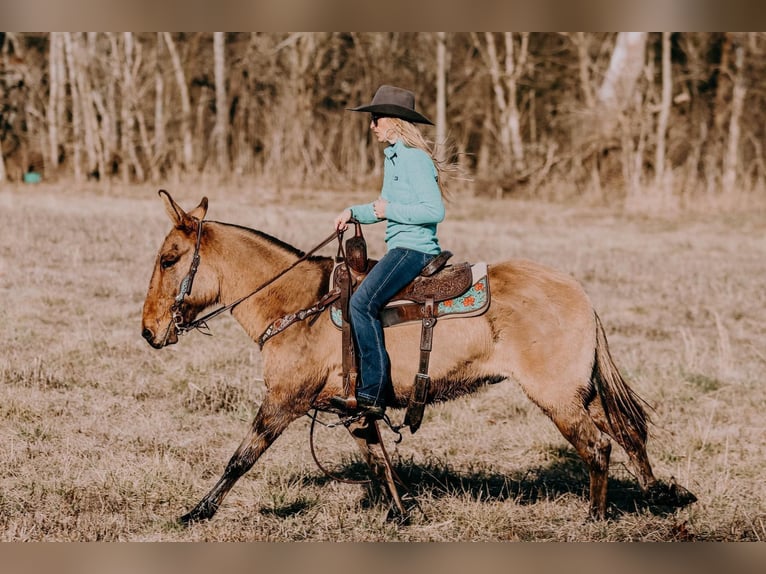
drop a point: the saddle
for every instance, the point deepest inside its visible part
(442, 282)
(440, 290)
(431, 294)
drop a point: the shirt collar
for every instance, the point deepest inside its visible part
(391, 150)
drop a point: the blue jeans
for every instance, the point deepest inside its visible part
(395, 270)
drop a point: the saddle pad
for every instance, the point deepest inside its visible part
(474, 301)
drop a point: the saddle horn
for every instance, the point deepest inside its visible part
(356, 249)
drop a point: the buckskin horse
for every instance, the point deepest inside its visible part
(540, 330)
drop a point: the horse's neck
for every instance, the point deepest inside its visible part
(248, 260)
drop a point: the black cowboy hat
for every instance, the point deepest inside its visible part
(396, 103)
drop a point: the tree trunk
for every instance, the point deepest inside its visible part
(441, 90)
(204, 101)
(77, 129)
(127, 115)
(737, 104)
(504, 85)
(57, 77)
(159, 108)
(85, 53)
(78, 58)
(723, 86)
(221, 132)
(625, 67)
(618, 87)
(582, 43)
(293, 140)
(183, 90)
(514, 70)
(662, 121)
(3, 175)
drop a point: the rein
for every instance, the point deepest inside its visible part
(186, 284)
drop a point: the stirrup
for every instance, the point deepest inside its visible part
(352, 405)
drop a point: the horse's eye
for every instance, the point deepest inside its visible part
(168, 263)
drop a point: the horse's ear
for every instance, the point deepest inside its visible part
(200, 211)
(173, 210)
(178, 216)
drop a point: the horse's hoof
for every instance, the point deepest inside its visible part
(674, 495)
(395, 516)
(596, 516)
(200, 513)
(188, 518)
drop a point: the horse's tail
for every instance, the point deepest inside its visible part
(624, 409)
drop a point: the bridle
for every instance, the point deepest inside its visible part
(185, 287)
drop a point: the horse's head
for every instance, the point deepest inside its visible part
(171, 267)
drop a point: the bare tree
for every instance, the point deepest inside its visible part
(582, 42)
(662, 121)
(618, 88)
(505, 77)
(441, 87)
(56, 79)
(625, 66)
(187, 148)
(3, 175)
(124, 65)
(160, 138)
(221, 132)
(739, 93)
(77, 122)
(3, 59)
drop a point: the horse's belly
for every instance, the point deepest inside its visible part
(459, 348)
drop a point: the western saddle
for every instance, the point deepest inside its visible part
(437, 282)
(418, 301)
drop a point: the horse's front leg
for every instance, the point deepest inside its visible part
(366, 433)
(270, 421)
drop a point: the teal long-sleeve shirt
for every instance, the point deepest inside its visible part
(415, 205)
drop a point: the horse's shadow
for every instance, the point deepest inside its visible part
(564, 474)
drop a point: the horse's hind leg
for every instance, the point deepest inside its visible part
(656, 491)
(268, 424)
(635, 448)
(593, 447)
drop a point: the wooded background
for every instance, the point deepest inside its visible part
(612, 116)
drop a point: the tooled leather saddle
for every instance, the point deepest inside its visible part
(439, 290)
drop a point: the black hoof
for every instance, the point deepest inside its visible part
(673, 495)
(395, 516)
(186, 519)
(200, 513)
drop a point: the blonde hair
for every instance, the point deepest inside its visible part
(446, 168)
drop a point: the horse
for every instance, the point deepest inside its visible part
(540, 330)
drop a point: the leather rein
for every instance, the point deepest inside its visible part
(185, 287)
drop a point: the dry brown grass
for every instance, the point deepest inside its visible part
(106, 439)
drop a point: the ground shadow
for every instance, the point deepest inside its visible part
(564, 474)
(287, 510)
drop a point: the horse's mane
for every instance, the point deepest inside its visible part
(272, 240)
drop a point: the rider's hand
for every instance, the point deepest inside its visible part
(341, 222)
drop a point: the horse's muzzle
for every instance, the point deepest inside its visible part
(156, 343)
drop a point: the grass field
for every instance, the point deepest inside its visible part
(104, 438)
